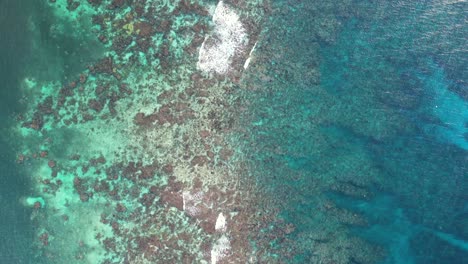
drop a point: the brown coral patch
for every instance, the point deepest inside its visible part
(105, 65)
(163, 26)
(144, 29)
(225, 154)
(173, 199)
(95, 2)
(116, 4)
(121, 43)
(95, 105)
(199, 161)
(204, 133)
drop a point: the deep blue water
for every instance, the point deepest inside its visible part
(380, 131)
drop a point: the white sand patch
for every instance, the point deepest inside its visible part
(220, 223)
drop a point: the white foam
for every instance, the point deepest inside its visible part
(229, 37)
(220, 249)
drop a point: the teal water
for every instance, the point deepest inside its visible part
(362, 130)
(357, 127)
(27, 48)
(15, 227)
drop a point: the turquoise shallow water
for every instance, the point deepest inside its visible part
(357, 127)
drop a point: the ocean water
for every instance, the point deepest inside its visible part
(27, 48)
(15, 226)
(337, 134)
(367, 119)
